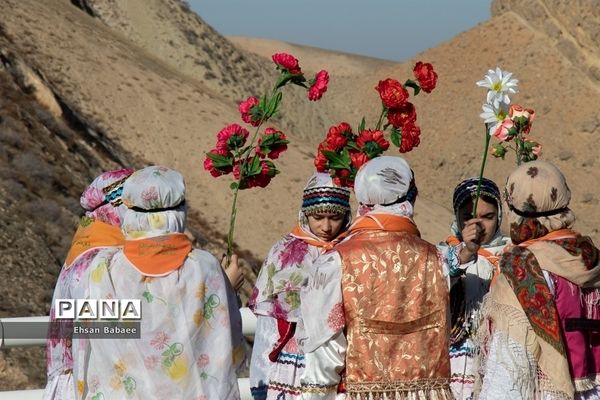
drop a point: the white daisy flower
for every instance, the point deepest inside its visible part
(500, 85)
(494, 116)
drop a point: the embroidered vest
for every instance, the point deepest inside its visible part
(396, 310)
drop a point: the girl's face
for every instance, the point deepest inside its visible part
(326, 226)
(486, 212)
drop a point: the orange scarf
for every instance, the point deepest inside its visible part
(301, 234)
(554, 235)
(158, 256)
(384, 222)
(92, 235)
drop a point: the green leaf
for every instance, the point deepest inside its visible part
(233, 186)
(253, 168)
(396, 137)
(336, 160)
(412, 84)
(220, 161)
(353, 146)
(361, 126)
(148, 296)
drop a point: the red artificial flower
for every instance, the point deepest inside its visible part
(410, 137)
(209, 164)
(267, 172)
(274, 150)
(400, 116)
(343, 129)
(358, 158)
(287, 62)
(341, 178)
(231, 137)
(392, 93)
(426, 76)
(320, 160)
(368, 135)
(246, 107)
(319, 87)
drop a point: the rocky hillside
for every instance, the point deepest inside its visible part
(572, 27)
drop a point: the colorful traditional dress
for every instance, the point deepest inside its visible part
(471, 282)
(277, 357)
(191, 342)
(97, 230)
(375, 307)
(541, 311)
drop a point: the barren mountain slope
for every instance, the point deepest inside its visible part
(172, 33)
(313, 58)
(573, 28)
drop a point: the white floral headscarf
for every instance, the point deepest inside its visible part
(156, 199)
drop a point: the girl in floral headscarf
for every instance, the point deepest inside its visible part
(98, 229)
(191, 336)
(277, 357)
(472, 250)
(544, 309)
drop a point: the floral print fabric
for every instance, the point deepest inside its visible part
(191, 341)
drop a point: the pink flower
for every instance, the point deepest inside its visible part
(203, 360)
(268, 171)
(319, 87)
(517, 111)
(293, 253)
(160, 340)
(536, 148)
(151, 362)
(502, 132)
(149, 195)
(232, 137)
(276, 144)
(246, 107)
(287, 62)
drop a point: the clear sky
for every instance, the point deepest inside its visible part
(390, 29)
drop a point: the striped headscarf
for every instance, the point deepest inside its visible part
(321, 195)
(467, 190)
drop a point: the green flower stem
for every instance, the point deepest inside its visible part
(232, 224)
(485, 153)
(235, 196)
(519, 149)
(378, 126)
(246, 154)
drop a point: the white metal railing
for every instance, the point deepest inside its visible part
(248, 328)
